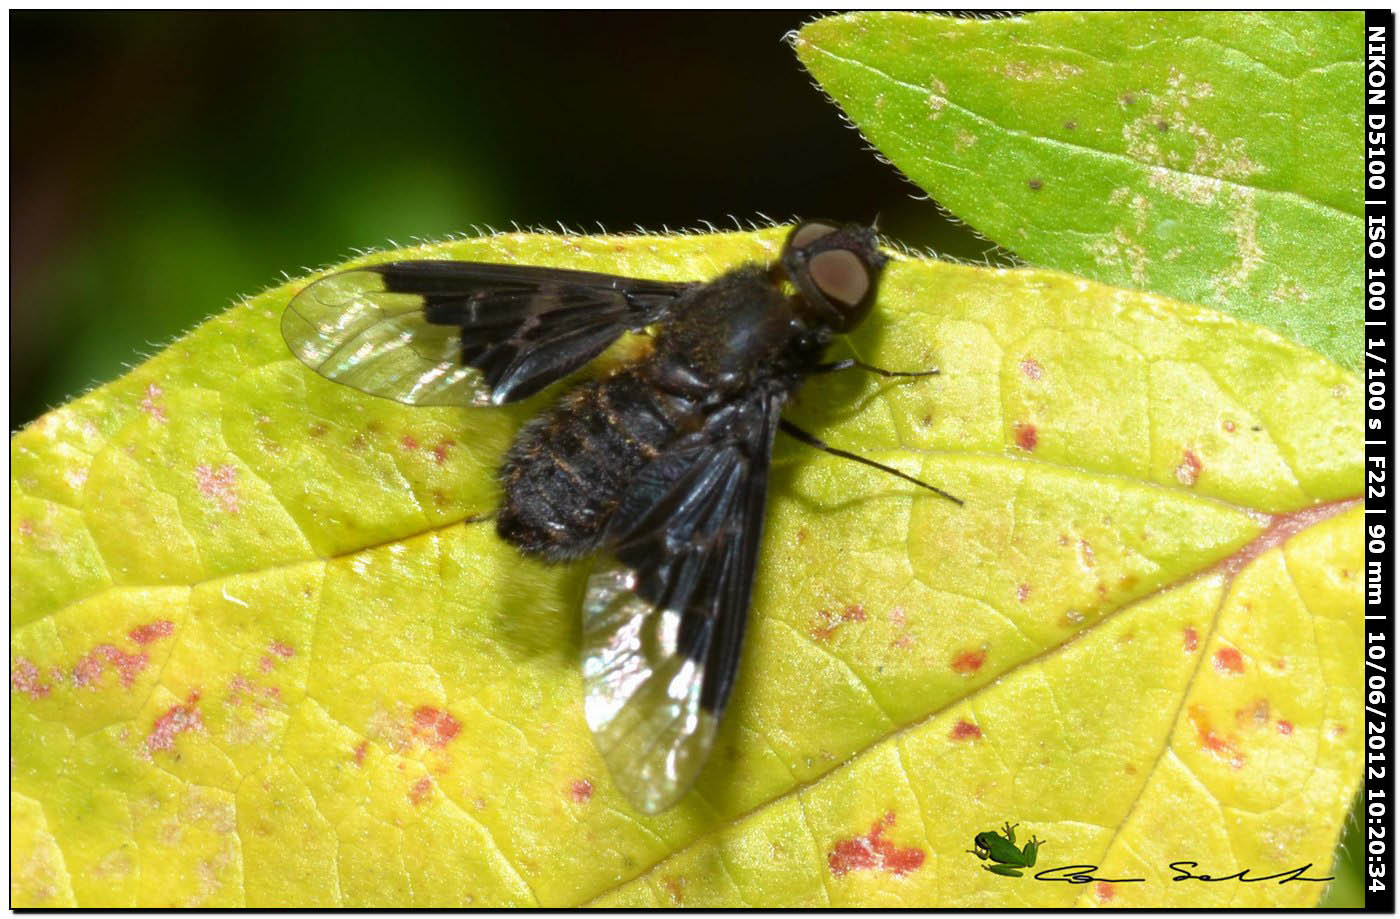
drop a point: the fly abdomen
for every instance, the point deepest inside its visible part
(567, 469)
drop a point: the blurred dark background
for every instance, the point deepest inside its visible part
(164, 164)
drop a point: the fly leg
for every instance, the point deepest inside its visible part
(793, 431)
(852, 363)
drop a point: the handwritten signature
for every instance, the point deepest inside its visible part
(1083, 874)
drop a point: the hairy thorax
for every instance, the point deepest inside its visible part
(566, 472)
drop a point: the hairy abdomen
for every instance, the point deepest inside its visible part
(569, 466)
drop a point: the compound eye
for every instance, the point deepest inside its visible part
(840, 275)
(809, 233)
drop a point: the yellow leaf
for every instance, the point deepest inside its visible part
(267, 650)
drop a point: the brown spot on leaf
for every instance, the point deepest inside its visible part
(965, 730)
(1189, 639)
(828, 622)
(1189, 469)
(1026, 436)
(969, 661)
(1255, 715)
(1285, 727)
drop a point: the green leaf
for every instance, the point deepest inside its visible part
(1214, 157)
(266, 651)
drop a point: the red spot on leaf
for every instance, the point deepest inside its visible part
(26, 528)
(281, 649)
(218, 484)
(1285, 727)
(1031, 368)
(24, 677)
(408, 442)
(1228, 660)
(1221, 747)
(178, 719)
(1189, 469)
(419, 792)
(1189, 639)
(434, 727)
(1023, 592)
(440, 450)
(969, 661)
(361, 749)
(1229, 427)
(1087, 551)
(89, 668)
(1104, 891)
(150, 403)
(965, 730)
(1026, 437)
(581, 791)
(873, 852)
(152, 631)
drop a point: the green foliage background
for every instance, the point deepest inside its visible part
(164, 164)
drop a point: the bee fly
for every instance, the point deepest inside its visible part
(662, 465)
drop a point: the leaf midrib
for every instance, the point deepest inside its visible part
(799, 789)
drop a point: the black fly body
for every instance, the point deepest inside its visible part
(660, 468)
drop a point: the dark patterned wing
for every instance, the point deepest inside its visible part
(663, 622)
(463, 333)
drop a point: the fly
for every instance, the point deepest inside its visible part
(660, 469)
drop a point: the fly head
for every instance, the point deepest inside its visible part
(835, 269)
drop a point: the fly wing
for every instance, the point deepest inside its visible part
(663, 623)
(464, 333)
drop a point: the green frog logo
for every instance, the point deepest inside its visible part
(1001, 849)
